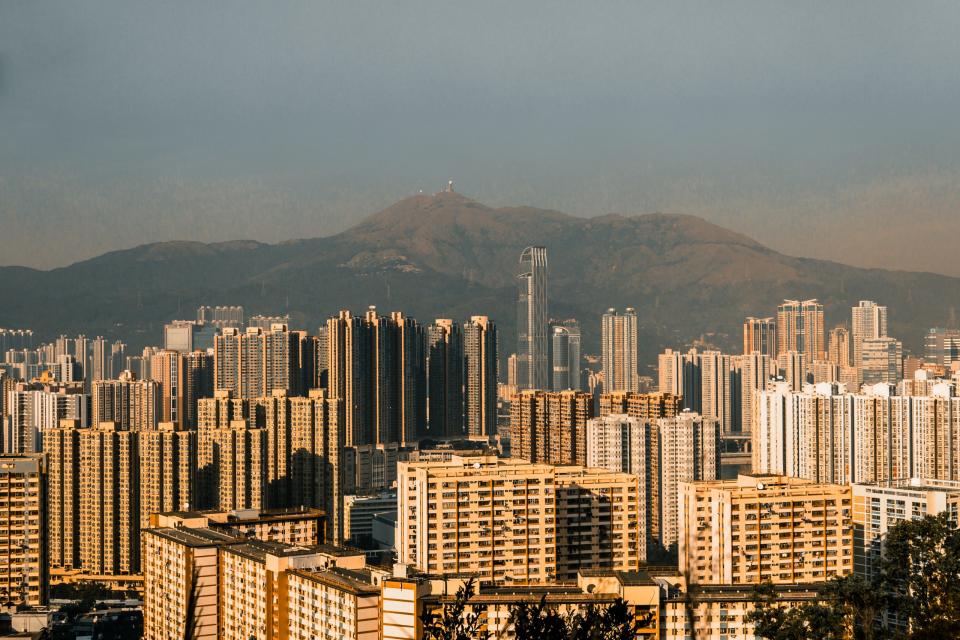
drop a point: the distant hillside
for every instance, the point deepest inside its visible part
(448, 256)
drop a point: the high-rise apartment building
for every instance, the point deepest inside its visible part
(679, 375)
(764, 527)
(566, 356)
(231, 466)
(223, 316)
(619, 351)
(305, 463)
(881, 360)
(533, 371)
(878, 507)
(687, 449)
(181, 583)
(15, 339)
(800, 328)
(838, 349)
(506, 520)
(109, 501)
(481, 366)
(377, 365)
(869, 322)
(279, 452)
(168, 464)
(132, 405)
(718, 391)
(617, 442)
(706, 383)
(792, 367)
(445, 378)
(62, 448)
(410, 380)
(827, 436)
(803, 434)
(201, 583)
(348, 361)
(252, 363)
(186, 336)
(942, 346)
(550, 426)
(754, 372)
(645, 406)
(823, 371)
(184, 378)
(23, 529)
(760, 335)
(32, 408)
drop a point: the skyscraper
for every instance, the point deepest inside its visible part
(800, 328)
(23, 528)
(377, 365)
(303, 454)
(881, 360)
(550, 426)
(869, 322)
(410, 378)
(566, 356)
(942, 346)
(619, 351)
(533, 370)
(168, 463)
(481, 364)
(32, 408)
(61, 445)
(348, 362)
(760, 334)
(792, 366)
(755, 371)
(130, 404)
(231, 461)
(184, 378)
(838, 349)
(251, 364)
(680, 374)
(687, 449)
(109, 500)
(618, 443)
(445, 378)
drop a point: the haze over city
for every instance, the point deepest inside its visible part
(822, 131)
(479, 321)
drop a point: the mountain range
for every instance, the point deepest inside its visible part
(446, 255)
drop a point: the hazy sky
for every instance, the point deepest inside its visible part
(821, 128)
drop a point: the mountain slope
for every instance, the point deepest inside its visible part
(446, 255)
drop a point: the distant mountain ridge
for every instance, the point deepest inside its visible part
(445, 255)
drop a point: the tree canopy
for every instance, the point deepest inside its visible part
(914, 594)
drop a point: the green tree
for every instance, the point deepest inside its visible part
(619, 623)
(586, 624)
(537, 621)
(454, 621)
(914, 595)
(776, 622)
(921, 573)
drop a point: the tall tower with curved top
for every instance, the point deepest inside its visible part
(532, 365)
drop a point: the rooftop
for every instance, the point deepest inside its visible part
(200, 537)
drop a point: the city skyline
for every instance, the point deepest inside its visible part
(486, 321)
